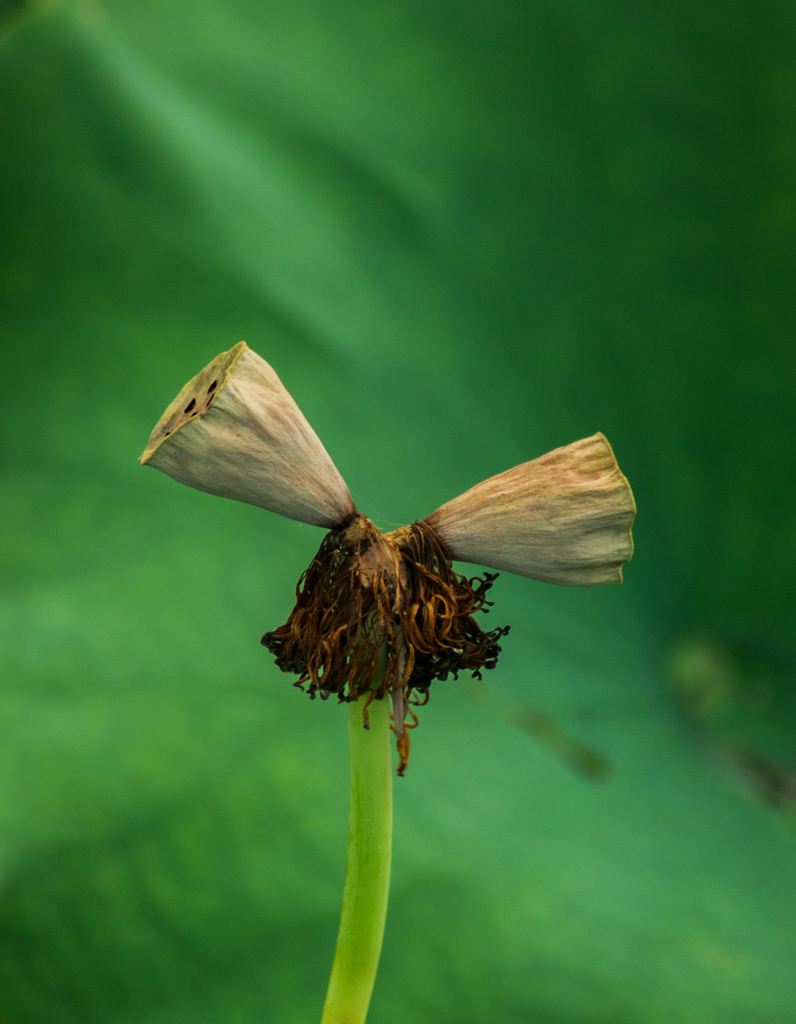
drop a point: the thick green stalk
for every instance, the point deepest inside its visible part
(367, 878)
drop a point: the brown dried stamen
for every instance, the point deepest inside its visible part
(347, 608)
(438, 625)
(368, 600)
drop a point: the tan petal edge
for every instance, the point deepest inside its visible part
(564, 518)
(195, 399)
(235, 431)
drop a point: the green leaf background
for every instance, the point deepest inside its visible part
(463, 234)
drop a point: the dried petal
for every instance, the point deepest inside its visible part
(235, 431)
(564, 518)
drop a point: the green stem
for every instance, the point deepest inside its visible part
(367, 878)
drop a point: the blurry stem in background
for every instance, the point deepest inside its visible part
(367, 879)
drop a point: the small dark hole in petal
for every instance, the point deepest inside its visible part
(190, 405)
(194, 413)
(212, 387)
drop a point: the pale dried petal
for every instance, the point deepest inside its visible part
(564, 518)
(235, 431)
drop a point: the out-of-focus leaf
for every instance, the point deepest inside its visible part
(463, 236)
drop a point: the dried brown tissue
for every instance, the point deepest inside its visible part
(375, 613)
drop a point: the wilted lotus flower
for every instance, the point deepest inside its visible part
(377, 613)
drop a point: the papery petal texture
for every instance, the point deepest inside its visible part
(563, 518)
(235, 431)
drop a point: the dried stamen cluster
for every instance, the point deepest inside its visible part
(438, 624)
(383, 615)
(386, 614)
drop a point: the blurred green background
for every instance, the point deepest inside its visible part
(463, 234)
